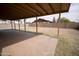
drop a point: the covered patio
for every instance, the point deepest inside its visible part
(38, 43)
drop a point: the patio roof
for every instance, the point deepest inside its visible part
(16, 11)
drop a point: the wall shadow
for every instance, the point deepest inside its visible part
(9, 37)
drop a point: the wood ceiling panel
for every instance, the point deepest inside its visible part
(11, 12)
(25, 6)
(15, 11)
(37, 8)
(22, 9)
(46, 8)
(65, 7)
(56, 7)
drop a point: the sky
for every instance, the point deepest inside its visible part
(72, 15)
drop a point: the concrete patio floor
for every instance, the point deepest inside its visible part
(19, 43)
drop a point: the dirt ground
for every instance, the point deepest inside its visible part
(68, 42)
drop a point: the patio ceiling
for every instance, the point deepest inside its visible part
(16, 11)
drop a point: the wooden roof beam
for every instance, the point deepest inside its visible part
(52, 8)
(25, 6)
(23, 10)
(20, 12)
(42, 8)
(34, 9)
(31, 9)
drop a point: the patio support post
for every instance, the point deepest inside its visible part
(14, 25)
(24, 25)
(58, 23)
(11, 24)
(5, 21)
(19, 24)
(36, 25)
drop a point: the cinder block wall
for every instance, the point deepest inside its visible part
(62, 25)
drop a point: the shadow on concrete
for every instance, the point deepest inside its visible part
(9, 37)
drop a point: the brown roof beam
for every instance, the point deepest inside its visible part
(20, 12)
(42, 8)
(23, 10)
(52, 8)
(34, 8)
(60, 7)
(25, 6)
(7, 8)
(69, 6)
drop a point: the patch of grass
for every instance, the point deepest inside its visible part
(63, 47)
